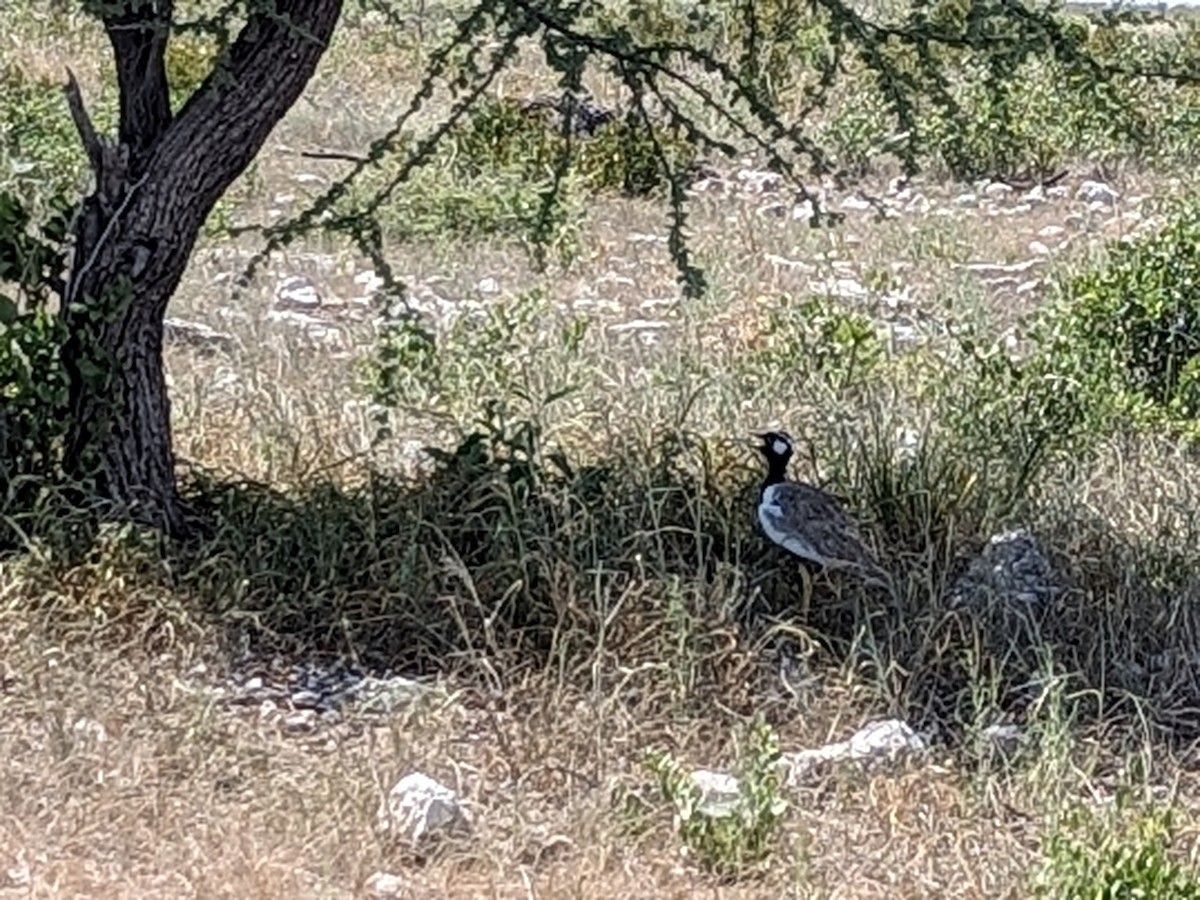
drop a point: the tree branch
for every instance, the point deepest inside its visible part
(96, 151)
(226, 121)
(109, 161)
(139, 35)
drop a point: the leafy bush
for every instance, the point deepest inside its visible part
(817, 335)
(1090, 857)
(1012, 108)
(510, 170)
(511, 347)
(33, 385)
(1133, 325)
(189, 59)
(605, 151)
(729, 840)
(432, 205)
(38, 144)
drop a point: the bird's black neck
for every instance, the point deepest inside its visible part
(776, 471)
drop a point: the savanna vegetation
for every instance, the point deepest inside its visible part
(475, 410)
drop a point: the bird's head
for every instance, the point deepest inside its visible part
(776, 446)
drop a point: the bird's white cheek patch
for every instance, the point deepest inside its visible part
(781, 447)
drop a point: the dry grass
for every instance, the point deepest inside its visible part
(123, 776)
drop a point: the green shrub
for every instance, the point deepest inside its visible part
(435, 203)
(39, 149)
(620, 154)
(817, 335)
(728, 841)
(1132, 326)
(189, 59)
(1018, 108)
(514, 346)
(1095, 857)
(33, 385)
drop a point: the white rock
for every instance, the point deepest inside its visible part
(196, 334)
(18, 875)
(1051, 231)
(759, 181)
(903, 335)
(803, 211)
(856, 204)
(386, 695)
(419, 807)
(305, 699)
(233, 315)
(1096, 192)
(227, 382)
(919, 204)
(313, 328)
(986, 268)
(998, 189)
(1035, 196)
(301, 722)
(888, 739)
(296, 292)
(1003, 736)
(966, 200)
(710, 185)
(720, 793)
(841, 288)
(908, 442)
(384, 885)
(794, 264)
(1038, 248)
(90, 730)
(488, 286)
(639, 325)
(369, 280)
(658, 303)
(1019, 210)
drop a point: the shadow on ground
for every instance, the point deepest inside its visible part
(502, 560)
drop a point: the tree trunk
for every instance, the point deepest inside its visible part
(154, 187)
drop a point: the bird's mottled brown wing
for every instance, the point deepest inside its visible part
(826, 526)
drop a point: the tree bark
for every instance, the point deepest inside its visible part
(154, 187)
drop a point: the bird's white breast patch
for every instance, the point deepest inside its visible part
(776, 527)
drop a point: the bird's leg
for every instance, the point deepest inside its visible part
(806, 590)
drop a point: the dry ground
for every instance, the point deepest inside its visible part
(123, 778)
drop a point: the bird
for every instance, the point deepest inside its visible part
(808, 522)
